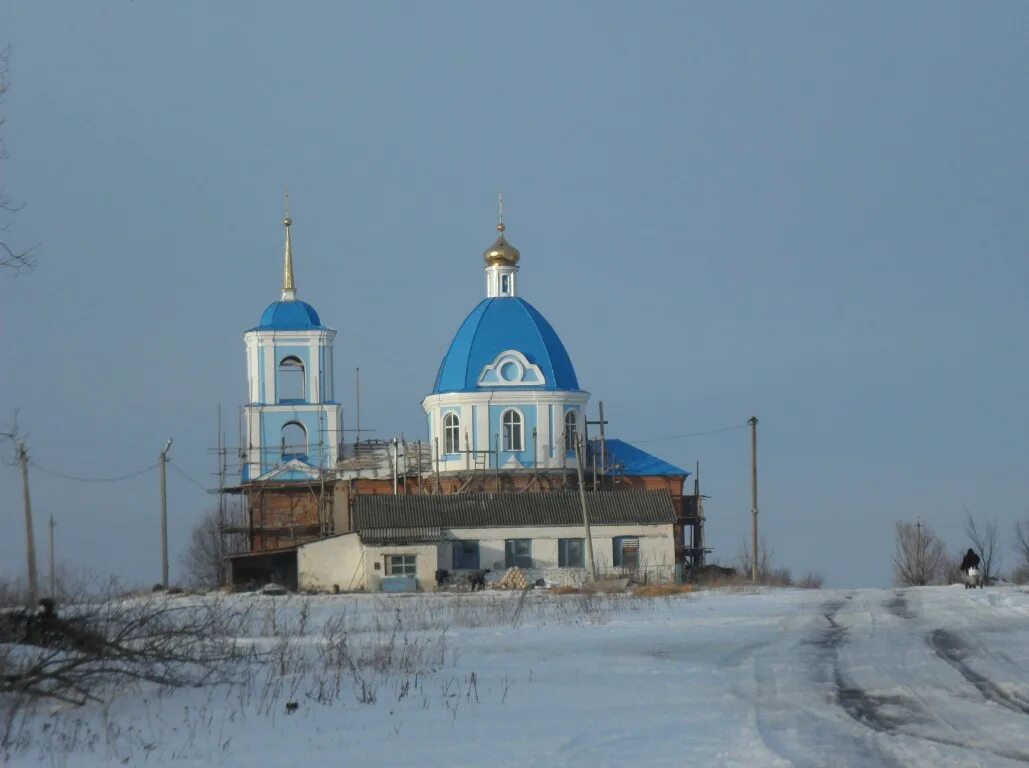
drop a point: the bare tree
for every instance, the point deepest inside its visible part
(98, 645)
(217, 534)
(918, 557)
(984, 540)
(1021, 572)
(767, 572)
(11, 257)
(950, 569)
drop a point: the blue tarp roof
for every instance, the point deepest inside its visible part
(632, 461)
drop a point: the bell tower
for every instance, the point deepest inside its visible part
(292, 422)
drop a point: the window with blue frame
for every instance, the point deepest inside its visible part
(291, 384)
(518, 553)
(465, 556)
(571, 553)
(626, 552)
(294, 441)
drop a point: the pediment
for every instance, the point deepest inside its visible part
(291, 470)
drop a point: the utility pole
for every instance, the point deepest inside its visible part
(752, 421)
(436, 447)
(30, 542)
(591, 564)
(919, 560)
(53, 578)
(163, 461)
(395, 460)
(357, 410)
(601, 422)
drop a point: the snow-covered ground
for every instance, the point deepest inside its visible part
(913, 677)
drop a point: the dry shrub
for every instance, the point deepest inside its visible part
(566, 590)
(663, 590)
(811, 580)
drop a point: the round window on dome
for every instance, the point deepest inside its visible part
(511, 371)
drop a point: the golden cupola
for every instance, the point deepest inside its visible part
(501, 253)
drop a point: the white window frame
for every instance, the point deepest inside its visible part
(571, 429)
(451, 432)
(408, 566)
(510, 432)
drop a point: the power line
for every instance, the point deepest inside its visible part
(79, 479)
(189, 478)
(691, 434)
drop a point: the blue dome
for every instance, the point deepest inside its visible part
(497, 325)
(289, 316)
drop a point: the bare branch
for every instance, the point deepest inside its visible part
(215, 536)
(984, 539)
(918, 557)
(13, 258)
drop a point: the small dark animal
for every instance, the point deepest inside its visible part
(442, 577)
(291, 707)
(478, 579)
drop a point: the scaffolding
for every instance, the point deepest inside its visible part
(280, 512)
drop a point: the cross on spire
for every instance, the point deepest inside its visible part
(288, 288)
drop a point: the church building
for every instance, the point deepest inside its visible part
(494, 484)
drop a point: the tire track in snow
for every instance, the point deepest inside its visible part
(949, 647)
(890, 714)
(802, 734)
(898, 606)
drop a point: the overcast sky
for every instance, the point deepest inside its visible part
(808, 212)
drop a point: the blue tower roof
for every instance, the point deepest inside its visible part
(289, 316)
(497, 325)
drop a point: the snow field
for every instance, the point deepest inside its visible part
(930, 676)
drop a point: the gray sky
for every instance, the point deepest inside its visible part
(809, 212)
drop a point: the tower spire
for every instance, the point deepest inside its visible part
(500, 212)
(288, 289)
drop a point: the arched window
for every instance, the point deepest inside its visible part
(294, 441)
(511, 424)
(571, 428)
(451, 433)
(291, 382)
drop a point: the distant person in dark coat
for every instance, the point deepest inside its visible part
(969, 561)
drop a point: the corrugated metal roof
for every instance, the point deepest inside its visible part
(403, 535)
(492, 510)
